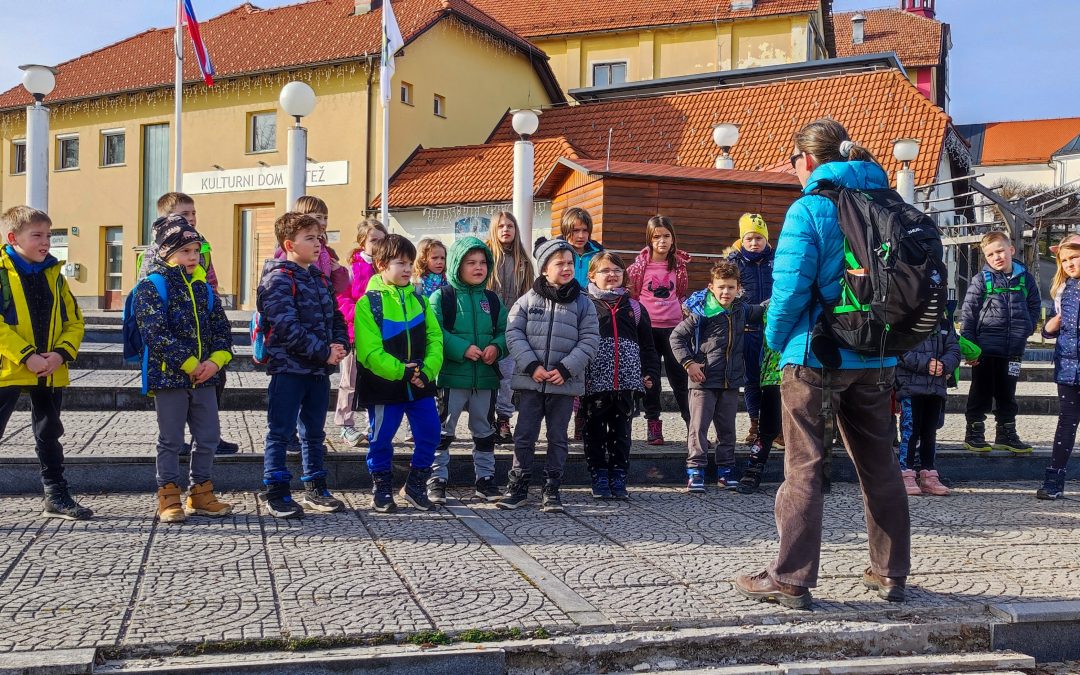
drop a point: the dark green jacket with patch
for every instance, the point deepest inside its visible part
(472, 323)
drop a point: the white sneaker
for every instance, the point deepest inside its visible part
(352, 436)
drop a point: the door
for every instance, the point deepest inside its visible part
(114, 267)
(257, 244)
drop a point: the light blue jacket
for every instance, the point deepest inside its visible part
(811, 249)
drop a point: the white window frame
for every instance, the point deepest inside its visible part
(251, 150)
(15, 144)
(439, 106)
(406, 90)
(105, 135)
(60, 139)
(608, 64)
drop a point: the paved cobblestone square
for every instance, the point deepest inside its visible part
(663, 558)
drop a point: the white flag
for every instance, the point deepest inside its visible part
(391, 43)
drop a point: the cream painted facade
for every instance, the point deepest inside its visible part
(478, 77)
(685, 49)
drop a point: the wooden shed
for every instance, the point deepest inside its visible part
(703, 204)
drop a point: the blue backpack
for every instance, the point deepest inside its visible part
(135, 349)
(260, 329)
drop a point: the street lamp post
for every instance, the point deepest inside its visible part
(525, 123)
(298, 100)
(905, 150)
(725, 135)
(39, 81)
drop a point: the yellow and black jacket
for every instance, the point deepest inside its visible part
(17, 342)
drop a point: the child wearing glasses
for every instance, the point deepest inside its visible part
(625, 366)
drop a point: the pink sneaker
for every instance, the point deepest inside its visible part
(928, 479)
(910, 485)
(656, 432)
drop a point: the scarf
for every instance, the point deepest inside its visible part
(610, 296)
(564, 294)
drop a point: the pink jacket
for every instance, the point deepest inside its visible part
(362, 271)
(635, 274)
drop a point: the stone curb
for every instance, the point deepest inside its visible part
(1050, 631)
(52, 662)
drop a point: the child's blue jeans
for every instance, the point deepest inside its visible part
(296, 403)
(384, 421)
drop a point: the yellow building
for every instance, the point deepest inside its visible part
(111, 119)
(597, 42)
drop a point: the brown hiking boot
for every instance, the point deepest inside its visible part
(763, 588)
(752, 435)
(202, 501)
(892, 589)
(169, 509)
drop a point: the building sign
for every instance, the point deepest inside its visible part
(262, 178)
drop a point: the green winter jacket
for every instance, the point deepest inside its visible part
(472, 323)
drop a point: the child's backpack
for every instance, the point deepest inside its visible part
(260, 329)
(375, 302)
(135, 349)
(5, 293)
(448, 307)
(894, 289)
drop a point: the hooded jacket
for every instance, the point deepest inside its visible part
(553, 328)
(1067, 347)
(581, 262)
(347, 297)
(408, 333)
(626, 352)
(1001, 318)
(811, 251)
(636, 273)
(181, 332)
(63, 319)
(712, 336)
(472, 323)
(304, 321)
(913, 376)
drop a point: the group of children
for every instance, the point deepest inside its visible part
(428, 335)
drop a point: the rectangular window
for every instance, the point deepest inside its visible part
(406, 93)
(440, 105)
(18, 157)
(263, 132)
(604, 74)
(67, 152)
(112, 147)
(58, 244)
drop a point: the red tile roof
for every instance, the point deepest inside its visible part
(918, 41)
(539, 18)
(248, 39)
(876, 108)
(470, 174)
(1025, 141)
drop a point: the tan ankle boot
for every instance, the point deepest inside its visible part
(169, 509)
(202, 501)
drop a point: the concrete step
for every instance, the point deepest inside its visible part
(1002, 663)
(113, 334)
(119, 389)
(101, 317)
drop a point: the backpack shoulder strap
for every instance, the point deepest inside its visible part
(159, 283)
(375, 302)
(448, 307)
(496, 308)
(5, 289)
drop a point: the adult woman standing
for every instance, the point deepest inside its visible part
(658, 280)
(510, 279)
(809, 264)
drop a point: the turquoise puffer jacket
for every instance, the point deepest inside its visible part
(811, 249)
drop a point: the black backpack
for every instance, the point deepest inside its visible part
(895, 286)
(448, 307)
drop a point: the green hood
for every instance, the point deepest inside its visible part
(458, 250)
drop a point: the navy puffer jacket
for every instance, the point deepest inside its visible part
(1001, 310)
(913, 376)
(1067, 349)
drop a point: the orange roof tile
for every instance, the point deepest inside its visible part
(248, 39)
(876, 108)
(540, 18)
(470, 174)
(915, 39)
(1026, 141)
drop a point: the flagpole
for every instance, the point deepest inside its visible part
(178, 95)
(384, 214)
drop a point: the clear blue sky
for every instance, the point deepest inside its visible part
(1011, 59)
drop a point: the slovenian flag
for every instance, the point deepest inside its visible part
(189, 20)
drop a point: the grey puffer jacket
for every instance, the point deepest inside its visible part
(553, 328)
(913, 376)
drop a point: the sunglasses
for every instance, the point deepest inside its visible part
(794, 158)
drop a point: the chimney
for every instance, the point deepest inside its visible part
(365, 6)
(858, 25)
(923, 8)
